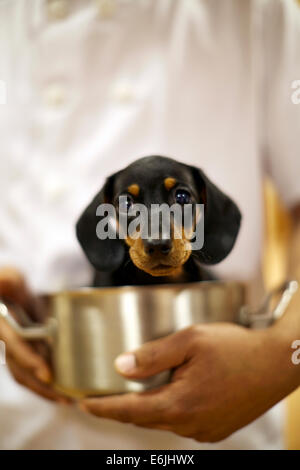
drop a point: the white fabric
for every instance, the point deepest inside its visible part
(92, 87)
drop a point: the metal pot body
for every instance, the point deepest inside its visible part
(91, 327)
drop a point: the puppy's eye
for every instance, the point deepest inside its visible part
(125, 202)
(182, 196)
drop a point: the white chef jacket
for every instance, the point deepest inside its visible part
(89, 86)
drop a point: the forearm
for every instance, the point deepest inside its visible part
(287, 330)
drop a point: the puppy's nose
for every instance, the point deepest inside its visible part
(157, 246)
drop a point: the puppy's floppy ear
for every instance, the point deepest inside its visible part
(104, 255)
(222, 219)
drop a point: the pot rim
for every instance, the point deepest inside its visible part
(203, 285)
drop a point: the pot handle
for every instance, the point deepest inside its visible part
(33, 332)
(263, 317)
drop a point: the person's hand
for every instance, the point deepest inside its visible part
(225, 377)
(25, 360)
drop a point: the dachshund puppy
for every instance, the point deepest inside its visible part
(138, 260)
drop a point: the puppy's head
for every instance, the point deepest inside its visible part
(158, 181)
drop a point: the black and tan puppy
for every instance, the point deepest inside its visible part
(138, 260)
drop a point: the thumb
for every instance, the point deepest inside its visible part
(156, 356)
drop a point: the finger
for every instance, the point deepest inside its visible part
(24, 355)
(158, 426)
(156, 356)
(14, 289)
(137, 408)
(24, 378)
(13, 286)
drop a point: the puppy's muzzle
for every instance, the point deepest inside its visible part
(157, 246)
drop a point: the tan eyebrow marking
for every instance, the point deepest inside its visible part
(169, 183)
(134, 189)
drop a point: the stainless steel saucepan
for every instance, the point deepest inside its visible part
(89, 327)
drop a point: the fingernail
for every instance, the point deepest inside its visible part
(43, 376)
(126, 363)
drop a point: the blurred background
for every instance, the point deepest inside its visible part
(277, 237)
